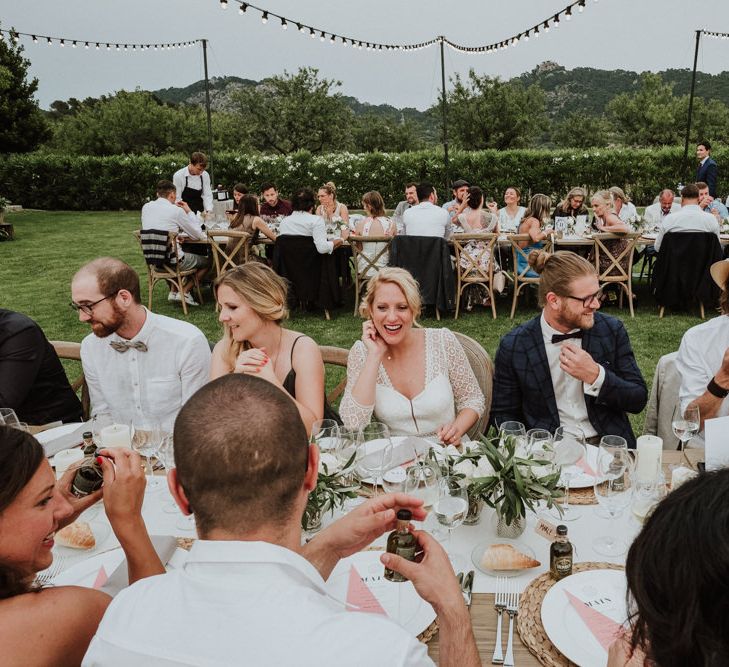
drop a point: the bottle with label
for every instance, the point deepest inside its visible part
(402, 543)
(89, 477)
(89, 445)
(560, 555)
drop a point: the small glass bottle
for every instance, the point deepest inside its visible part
(89, 445)
(401, 542)
(560, 555)
(89, 478)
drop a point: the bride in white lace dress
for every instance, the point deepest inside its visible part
(417, 381)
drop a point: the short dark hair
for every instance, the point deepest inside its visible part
(240, 474)
(164, 188)
(248, 205)
(475, 197)
(689, 191)
(267, 186)
(412, 184)
(700, 185)
(113, 275)
(459, 184)
(303, 200)
(424, 190)
(199, 158)
(705, 144)
(240, 187)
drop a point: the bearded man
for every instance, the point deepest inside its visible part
(139, 366)
(569, 366)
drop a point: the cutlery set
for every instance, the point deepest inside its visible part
(505, 600)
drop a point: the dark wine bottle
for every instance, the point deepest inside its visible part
(402, 543)
(89, 477)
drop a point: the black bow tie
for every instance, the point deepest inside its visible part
(558, 338)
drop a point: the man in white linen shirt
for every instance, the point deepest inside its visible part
(249, 593)
(656, 213)
(165, 214)
(411, 199)
(303, 222)
(193, 184)
(425, 218)
(703, 357)
(689, 219)
(139, 366)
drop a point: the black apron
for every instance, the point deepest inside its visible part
(193, 198)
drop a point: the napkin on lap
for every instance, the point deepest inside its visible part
(602, 627)
(164, 545)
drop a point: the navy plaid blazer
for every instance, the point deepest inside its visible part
(523, 389)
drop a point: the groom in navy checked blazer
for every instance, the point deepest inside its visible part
(571, 365)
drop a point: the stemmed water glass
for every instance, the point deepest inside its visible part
(146, 442)
(613, 491)
(685, 423)
(538, 440)
(8, 417)
(166, 456)
(325, 433)
(569, 448)
(512, 428)
(451, 509)
(374, 451)
(422, 480)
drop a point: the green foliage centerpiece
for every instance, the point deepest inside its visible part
(333, 487)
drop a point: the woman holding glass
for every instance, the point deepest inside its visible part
(416, 381)
(533, 224)
(332, 211)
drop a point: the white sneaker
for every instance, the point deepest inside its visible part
(190, 300)
(173, 296)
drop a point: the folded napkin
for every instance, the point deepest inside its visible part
(164, 545)
(360, 597)
(604, 629)
(402, 453)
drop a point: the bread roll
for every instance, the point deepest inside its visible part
(77, 535)
(506, 557)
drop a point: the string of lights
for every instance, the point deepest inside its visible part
(715, 35)
(94, 44)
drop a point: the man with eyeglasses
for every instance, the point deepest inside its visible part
(138, 365)
(570, 366)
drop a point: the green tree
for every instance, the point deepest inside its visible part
(22, 127)
(374, 133)
(294, 112)
(486, 112)
(581, 130)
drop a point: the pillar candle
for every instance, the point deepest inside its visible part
(650, 456)
(64, 459)
(116, 435)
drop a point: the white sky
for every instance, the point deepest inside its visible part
(610, 34)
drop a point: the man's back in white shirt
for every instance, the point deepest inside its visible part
(426, 219)
(301, 223)
(161, 213)
(689, 219)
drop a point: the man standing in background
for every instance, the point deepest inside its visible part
(193, 184)
(707, 170)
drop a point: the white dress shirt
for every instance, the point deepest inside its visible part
(194, 182)
(300, 223)
(654, 214)
(163, 214)
(137, 386)
(244, 603)
(699, 359)
(426, 219)
(569, 392)
(689, 219)
(628, 212)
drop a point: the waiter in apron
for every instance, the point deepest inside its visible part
(193, 184)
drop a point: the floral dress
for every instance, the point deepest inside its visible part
(474, 249)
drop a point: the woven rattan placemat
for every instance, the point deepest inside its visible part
(584, 496)
(529, 619)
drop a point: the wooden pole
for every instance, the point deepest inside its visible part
(445, 115)
(207, 110)
(684, 162)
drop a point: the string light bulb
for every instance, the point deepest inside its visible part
(242, 8)
(284, 25)
(264, 17)
(223, 4)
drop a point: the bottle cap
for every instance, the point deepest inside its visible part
(561, 530)
(87, 434)
(404, 515)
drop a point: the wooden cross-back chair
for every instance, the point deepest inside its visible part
(72, 351)
(335, 356)
(230, 248)
(473, 272)
(521, 279)
(620, 270)
(367, 265)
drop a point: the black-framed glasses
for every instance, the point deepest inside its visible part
(587, 300)
(88, 308)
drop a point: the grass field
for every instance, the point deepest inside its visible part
(36, 271)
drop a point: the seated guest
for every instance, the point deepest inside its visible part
(411, 198)
(193, 184)
(703, 357)
(302, 222)
(544, 379)
(252, 301)
(425, 218)
(164, 214)
(689, 219)
(250, 593)
(334, 213)
(656, 213)
(605, 220)
(711, 205)
(137, 364)
(375, 224)
(248, 219)
(238, 191)
(273, 205)
(387, 373)
(533, 223)
(32, 379)
(459, 201)
(623, 207)
(572, 205)
(54, 625)
(511, 214)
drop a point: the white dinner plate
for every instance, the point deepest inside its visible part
(101, 531)
(580, 479)
(399, 600)
(479, 549)
(604, 590)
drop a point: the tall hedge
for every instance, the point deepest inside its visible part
(53, 181)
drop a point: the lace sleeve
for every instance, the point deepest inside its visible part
(353, 414)
(466, 392)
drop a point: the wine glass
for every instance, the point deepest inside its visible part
(8, 417)
(538, 441)
(685, 424)
(512, 428)
(569, 448)
(146, 441)
(325, 433)
(374, 451)
(451, 509)
(422, 480)
(166, 456)
(613, 491)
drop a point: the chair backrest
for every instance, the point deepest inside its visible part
(335, 356)
(364, 263)
(296, 259)
(620, 267)
(470, 266)
(483, 369)
(520, 276)
(229, 247)
(72, 351)
(150, 241)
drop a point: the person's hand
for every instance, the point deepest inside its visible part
(432, 577)
(578, 363)
(449, 434)
(345, 233)
(493, 207)
(183, 205)
(78, 505)
(123, 489)
(372, 340)
(256, 362)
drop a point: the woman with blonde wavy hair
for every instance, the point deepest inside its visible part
(333, 212)
(252, 299)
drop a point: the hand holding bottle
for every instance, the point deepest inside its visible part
(123, 489)
(79, 505)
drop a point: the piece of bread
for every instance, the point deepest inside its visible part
(77, 535)
(506, 557)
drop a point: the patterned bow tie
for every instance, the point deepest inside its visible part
(122, 347)
(558, 338)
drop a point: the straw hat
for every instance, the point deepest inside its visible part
(720, 272)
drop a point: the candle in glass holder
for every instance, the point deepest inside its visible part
(116, 435)
(650, 456)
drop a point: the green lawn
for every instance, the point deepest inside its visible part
(36, 271)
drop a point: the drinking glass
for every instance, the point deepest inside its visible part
(8, 417)
(148, 435)
(609, 444)
(569, 448)
(538, 440)
(450, 509)
(647, 492)
(516, 429)
(325, 433)
(422, 480)
(685, 424)
(166, 456)
(613, 491)
(374, 451)
(345, 451)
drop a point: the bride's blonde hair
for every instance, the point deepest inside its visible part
(400, 277)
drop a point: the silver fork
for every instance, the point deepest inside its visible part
(512, 607)
(500, 604)
(47, 576)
